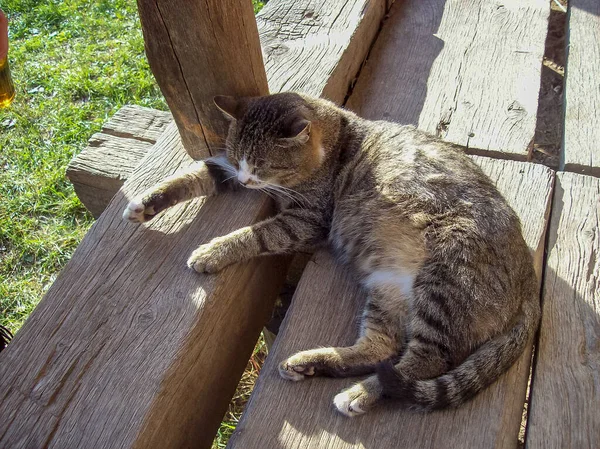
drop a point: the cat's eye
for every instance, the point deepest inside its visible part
(278, 167)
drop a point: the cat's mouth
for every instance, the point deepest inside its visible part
(253, 184)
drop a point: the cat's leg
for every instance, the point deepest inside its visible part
(200, 179)
(417, 362)
(382, 337)
(427, 355)
(359, 398)
(290, 231)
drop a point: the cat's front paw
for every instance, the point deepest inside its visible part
(296, 368)
(359, 398)
(146, 206)
(208, 258)
(134, 212)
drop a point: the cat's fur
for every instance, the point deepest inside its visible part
(452, 294)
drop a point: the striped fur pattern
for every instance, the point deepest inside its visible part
(452, 297)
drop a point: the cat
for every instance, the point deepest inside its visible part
(452, 296)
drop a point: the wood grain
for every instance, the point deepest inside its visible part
(324, 312)
(129, 348)
(198, 50)
(309, 46)
(317, 46)
(99, 171)
(466, 71)
(566, 384)
(582, 89)
(138, 122)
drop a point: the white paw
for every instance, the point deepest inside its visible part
(135, 212)
(347, 403)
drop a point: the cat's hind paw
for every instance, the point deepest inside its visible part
(357, 399)
(347, 404)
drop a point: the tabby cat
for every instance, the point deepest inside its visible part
(452, 297)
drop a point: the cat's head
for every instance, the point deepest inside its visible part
(272, 140)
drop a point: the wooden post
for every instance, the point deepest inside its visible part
(199, 49)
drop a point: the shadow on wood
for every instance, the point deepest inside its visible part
(565, 387)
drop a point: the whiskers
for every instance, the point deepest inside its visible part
(275, 191)
(223, 163)
(285, 194)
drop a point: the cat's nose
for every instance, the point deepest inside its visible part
(243, 178)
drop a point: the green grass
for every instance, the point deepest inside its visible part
(258, 5)
(74, 64)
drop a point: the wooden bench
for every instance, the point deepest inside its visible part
(566, 380)
(101, 169)
(94, 367)
(565, 385)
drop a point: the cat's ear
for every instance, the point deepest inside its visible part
(299, 133)
(232, 108)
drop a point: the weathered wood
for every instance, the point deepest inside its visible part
(269, 338)
(466, 71)
(99, 171)
(198, 50)
(566, 384)
(129, 348)
(138, 122)
(582, 89)
(317, 47)
(323, 313)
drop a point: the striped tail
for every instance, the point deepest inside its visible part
(478, 371)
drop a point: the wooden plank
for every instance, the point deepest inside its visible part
(138, 122)
(99, 171)
(198, 50)
(323, 313)
(566, 384)
(317, 46)
(129, 348)
(466, 71)
(582, 89)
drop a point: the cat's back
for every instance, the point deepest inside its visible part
(400, 162)
(403, 178)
